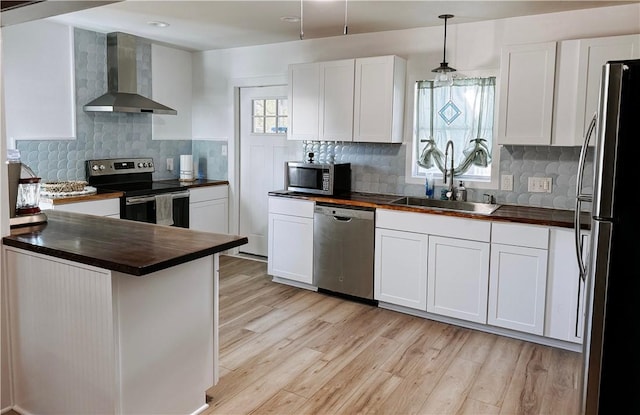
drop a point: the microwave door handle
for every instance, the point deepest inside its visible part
(580, 197)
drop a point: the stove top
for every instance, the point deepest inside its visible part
(132, 176)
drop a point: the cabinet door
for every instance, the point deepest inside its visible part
(564, 316)
(336, 100)
(400, 273)
(593, 54)
(39, 82)
(379, 99)
(457, 278)
(171, 86)
(290, 247)
(209, 216)
(517, 288)
(527, 75)
(304, 91)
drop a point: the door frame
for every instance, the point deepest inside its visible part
(233, 152)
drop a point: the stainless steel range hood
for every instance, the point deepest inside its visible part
(122, 81)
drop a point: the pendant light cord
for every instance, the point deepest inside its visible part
(444, 48)
(346, 28)
(301, 20)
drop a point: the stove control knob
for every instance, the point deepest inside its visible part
(150, 164)
(102, 167)
(94, 167)
(144, 164)
(139, 165)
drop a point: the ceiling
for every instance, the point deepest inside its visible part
(211, 24)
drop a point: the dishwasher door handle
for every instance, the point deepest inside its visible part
(342, 218)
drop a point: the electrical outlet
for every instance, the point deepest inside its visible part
(539, 184)
(506, 182)
(170, 164)
(224, 150)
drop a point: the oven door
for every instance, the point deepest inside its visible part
(143, 208)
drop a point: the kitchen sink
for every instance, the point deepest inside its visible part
(454, 205)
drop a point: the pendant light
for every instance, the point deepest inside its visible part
(444, 71)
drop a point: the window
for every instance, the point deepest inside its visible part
(270, 116)
(463, 113)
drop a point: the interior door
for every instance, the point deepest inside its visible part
(264, 148)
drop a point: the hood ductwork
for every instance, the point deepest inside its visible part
(122, 81)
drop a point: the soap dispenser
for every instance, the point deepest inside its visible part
(461, 192)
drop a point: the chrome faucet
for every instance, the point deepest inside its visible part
(450, 194)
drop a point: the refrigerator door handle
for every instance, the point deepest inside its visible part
(581, 197)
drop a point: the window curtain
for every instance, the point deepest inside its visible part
(462, 113)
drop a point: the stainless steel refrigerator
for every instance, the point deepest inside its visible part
(611, 350)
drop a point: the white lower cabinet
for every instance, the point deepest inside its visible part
(518, 277)
(105, 207)
(565, 309)
(457, 277)
(290, 240)
(400, 272)
(209, 209)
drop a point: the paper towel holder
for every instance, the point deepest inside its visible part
(186, 168)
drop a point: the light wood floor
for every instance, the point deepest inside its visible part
(285, 350)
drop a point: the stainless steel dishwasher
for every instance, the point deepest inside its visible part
(343, 243)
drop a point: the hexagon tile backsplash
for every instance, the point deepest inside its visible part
(380, 168)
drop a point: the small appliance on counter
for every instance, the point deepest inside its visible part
(317, 178)
(24, 193)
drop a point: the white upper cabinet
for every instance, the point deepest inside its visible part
(527, 75)
(549, 92)
(379, 99)
(578, 77)
(336, 100)
(171, 85)
(304, 103)
(348, 100)
(39, 81)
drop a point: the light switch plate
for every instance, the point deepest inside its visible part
(506, 182)
(539, 184)
(170, 164)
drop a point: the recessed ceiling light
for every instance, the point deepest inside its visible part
(158, 23)
(290, 19)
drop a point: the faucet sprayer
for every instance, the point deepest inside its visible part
(450, 194)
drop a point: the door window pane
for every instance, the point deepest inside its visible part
(270, 116)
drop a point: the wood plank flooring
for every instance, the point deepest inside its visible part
(285, 350)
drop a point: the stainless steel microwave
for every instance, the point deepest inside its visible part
(318, 178)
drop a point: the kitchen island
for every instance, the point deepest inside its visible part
(112, 316)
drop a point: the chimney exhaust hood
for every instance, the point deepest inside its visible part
(122, 81)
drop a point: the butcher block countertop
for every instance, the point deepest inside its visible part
(505, 213)
(130, 247)
(63, 200)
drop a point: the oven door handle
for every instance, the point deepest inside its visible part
(136, 200)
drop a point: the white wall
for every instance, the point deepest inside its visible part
(470, 46)
(5, 398)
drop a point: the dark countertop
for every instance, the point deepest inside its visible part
(112, 195)
(130, 247)
(506, 213)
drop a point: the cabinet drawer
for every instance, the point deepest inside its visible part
(200, 194)
(474, 229)
(520, 235)
(291, 207)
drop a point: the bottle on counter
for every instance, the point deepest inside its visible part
(429, 186)
(461, 192)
